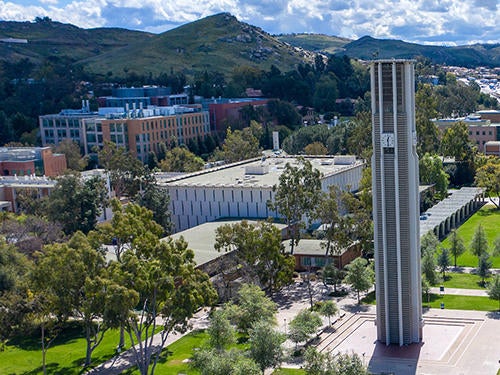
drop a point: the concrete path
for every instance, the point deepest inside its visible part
(461, 292)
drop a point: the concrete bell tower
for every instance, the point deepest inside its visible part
(395, 184)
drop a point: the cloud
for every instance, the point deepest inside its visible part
(422, 21)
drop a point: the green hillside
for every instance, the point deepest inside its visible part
(315, 42)
(216, 43)
(367, 48)
(48, 38)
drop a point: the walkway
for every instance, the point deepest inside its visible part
(461, 292)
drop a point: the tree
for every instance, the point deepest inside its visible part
(327, 211)
(180, 159)
(328, 309)
(220, 331)
(496, 247)
(77, 203)
(488, 177)
(303, 326)
(252, 306)
(494, 289)
(259, 252)
(296, 196)
(426, 289)
(456, 143)
(238, 145)
(428, 243)
(429, 267)
(170, 291)
(431, 172)
(71, 150)
(457, 246)
(157, 199)
(266, 345)
(326, 93)
(131, 228)
(235, 362)
(333, 275)
(315, 148)
(443, 261)
(484, 267)
(126, 172)
(426, 109)
(479, 243)
(359, 275)
(73, 274)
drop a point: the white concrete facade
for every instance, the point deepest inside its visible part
(396, 203)
(231, 192)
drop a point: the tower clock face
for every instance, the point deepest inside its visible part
(387, 140)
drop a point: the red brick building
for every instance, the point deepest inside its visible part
(27, 161)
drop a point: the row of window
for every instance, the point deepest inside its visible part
(479, 133)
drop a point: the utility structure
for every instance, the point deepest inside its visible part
(396, 203)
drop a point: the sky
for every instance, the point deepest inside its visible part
(439, 22)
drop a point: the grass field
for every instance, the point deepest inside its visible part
(489, 217)
(463, 281)
(289, 371)
(452, 302)
(65, 356)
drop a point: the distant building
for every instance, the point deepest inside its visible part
(30, 161)
(242, 190)
(139, 130)
(223, 111)
(142, 96)
(11, 186)
(481, 129)
(492, 148)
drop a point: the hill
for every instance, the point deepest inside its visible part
(48, 39)
(367, 48)
(215, 43)
(315, 42)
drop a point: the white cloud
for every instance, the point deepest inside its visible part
(423, 21)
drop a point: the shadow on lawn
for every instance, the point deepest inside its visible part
(31, 341)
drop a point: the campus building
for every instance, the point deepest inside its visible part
(139, 130)
(241, 190)
(28, 161)
(395, 187)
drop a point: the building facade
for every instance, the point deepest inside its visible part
(137, 129)
(242, 190)
(396, 203)
(28, 161)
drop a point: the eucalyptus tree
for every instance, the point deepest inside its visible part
(296, 197)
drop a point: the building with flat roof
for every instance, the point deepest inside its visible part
(395, 187)
(27, 161)
(139, 130)
(242, 190)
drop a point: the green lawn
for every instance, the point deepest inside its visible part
(452, 302)
(171, 361)
(463, 281)
(289, 371)
(489, 217)
(65, 356)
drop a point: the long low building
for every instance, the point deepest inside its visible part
(242, 190)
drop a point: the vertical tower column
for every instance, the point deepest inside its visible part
(396, 202)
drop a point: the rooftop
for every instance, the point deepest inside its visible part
(201, 239)
(258, 172)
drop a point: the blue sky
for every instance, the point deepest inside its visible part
(441, 22)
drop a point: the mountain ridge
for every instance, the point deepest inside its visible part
(215, 43)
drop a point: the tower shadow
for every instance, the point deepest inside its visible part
(395, 359)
